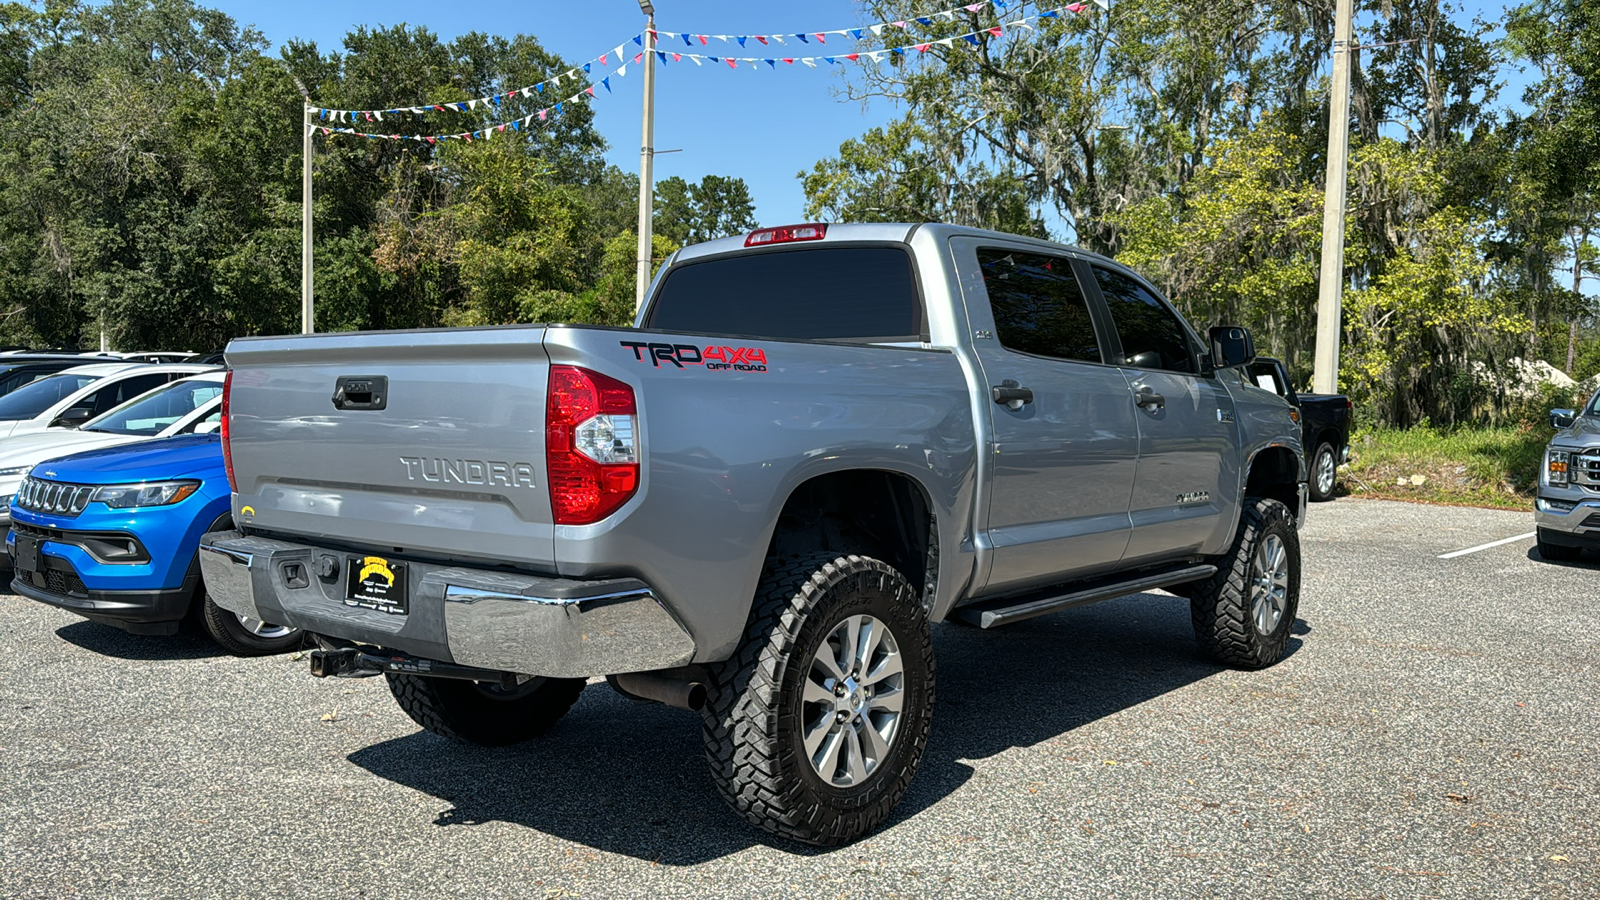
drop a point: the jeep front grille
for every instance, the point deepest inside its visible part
(53, 497)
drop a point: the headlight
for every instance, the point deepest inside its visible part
(1555, 467)
(16, 470)
(155, 493)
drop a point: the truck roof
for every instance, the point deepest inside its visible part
(895, 232)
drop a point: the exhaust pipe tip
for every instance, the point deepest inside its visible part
(681, 693)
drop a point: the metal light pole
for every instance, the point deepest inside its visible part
(647, 157)
(306, 317)
(1325, 375)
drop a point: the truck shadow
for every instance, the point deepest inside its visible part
(628, 778)
(108, 640)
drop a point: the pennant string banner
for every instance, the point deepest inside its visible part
(610, 57)
(821, 37)
(861, 57)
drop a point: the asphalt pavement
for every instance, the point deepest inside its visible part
(1434, 732)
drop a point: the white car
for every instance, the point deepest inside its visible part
(70, 398)
(191, 405)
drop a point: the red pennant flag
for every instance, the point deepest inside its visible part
(510, 94)
(732, 64)
(704, 39)
(821, 37)
(997, 31)
(922, 48)
(1076, 8)
(589, 90)
(326, 131)
(852, 56)
(677, 56)
(762, 39)
(788, 59)
(603, 58)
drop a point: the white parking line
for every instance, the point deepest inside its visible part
(1510, 540)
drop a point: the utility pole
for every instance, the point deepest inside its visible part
(306, 317)
(647, 157)
(1325, 375)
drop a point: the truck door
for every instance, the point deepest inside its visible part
(1059, 461)
(1187, 476)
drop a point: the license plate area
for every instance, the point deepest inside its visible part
(27, 553)
(373, 582)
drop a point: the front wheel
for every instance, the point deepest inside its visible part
(1324, 473)
(816, 726)
(482, 713)
(244, 636)
(1243, 614)
(1557, 552)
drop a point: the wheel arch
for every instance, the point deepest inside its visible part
(1275, 473)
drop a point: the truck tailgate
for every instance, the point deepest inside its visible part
(451, 465)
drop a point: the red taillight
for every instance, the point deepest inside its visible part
(591, 445)
(786, 234)
(227, 446)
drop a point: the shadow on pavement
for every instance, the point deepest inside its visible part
(629, 778)
(1589, 560)
(109, 640)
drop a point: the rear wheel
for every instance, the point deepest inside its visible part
(244, 636)
(1557, 552)
(1243, 614)
(1324, 473)
(816, 726)
(482, 713)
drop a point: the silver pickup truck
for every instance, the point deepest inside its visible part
(818, 441)
(1567, 510)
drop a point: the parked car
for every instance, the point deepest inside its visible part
(22, 369)
(819, 441)
(111, 535)
(72, 397)
(1566, 511)
(1324, 424)
(180, 407)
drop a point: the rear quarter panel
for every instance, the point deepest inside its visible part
(725, 448)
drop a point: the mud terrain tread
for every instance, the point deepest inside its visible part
(1220, 605)
(446, 708)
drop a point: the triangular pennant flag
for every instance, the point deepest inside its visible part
(974, 7)
(853, 57)
(900, 25)
(829, 59)
(803, 39)
(704, 39)
(855, 33)
(948, 15)
(789, 60)
(971, 38)
(663, 57)
(558, 109)
(589, 90)
(877, 30)
(686, 41)
(603, 58)
(677, 57)
(741, 40)
(472, 104)
(638, 56)
(585, 68)
(898, 51)
(714, 59)
(618, 52)
(997, 31)
(924, 20)
(542, 114)
(821, 38)
(762, 38)
(461, 106)
(752, 62)
(606, 81)
(327, 131)
(539, 87)
(946, 42)
(808, 61)
(638, 39)
(877, 55)
(1074, 8)
(695, 58)
(622, 71)
(773, 63)
(1102, 4)
(922, 48)
(779, 39)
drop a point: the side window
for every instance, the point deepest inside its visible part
(1152, 335)
(113, 395)
(1038, 306)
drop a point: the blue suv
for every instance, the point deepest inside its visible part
(113, 535)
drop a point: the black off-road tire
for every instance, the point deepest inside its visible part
(753, 715)
(1324, 457)
(483, 714)
(1557, 552)
(231, 635)
(1224, 623)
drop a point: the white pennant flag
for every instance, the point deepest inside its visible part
(618, 52)
(877, 55)
(946, 42)
(948, 15)
(472, 104)
(1102, 4)
(877, 30)
(721, 37)
(379, 114)
(696, 58)
(779, 39)
(621, 71)
(808, 61)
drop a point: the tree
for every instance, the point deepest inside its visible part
(716, 207)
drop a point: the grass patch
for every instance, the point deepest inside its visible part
(1474, 466)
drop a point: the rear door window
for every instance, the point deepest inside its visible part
(1037, 304)
(818, 293)
(1153, 337)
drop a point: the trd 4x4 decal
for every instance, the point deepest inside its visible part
(714, 358)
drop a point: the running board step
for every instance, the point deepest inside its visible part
(1014, 609)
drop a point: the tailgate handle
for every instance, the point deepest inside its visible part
(361, 392)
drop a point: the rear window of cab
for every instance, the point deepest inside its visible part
(841, 293)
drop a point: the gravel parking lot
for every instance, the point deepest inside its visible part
(1434, 732)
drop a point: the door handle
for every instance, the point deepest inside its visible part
(1011, 394)
(1146, 398)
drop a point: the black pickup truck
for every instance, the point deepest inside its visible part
(1324, 424)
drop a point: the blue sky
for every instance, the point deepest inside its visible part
(763, 126)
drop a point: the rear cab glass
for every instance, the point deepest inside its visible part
(864, 293)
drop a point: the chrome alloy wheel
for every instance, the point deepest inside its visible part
(851, 704)
(1326, 468)
(264, 630)
(1269, 584)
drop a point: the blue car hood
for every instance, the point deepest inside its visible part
(184, 456)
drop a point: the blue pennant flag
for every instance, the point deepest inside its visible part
(1048, 14)
(558, 109)
(663, 57)
(829, 59)
(517, 125)
(971, 38)
(638, 39)
(607, 82)
(539, 87)
(495, 100)
(741, 40)
(803, 39)
(686, 42)
(586, 68)
(713, 59)
(899, 51)
(855, 33)
(773, 63)
(461, 106)
(924, 20)
(324, 113)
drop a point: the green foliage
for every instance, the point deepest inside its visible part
(688, 213)
(1475, 466)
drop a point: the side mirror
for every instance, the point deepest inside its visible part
(1231, 346)
(1562, 418)
(72, 418)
